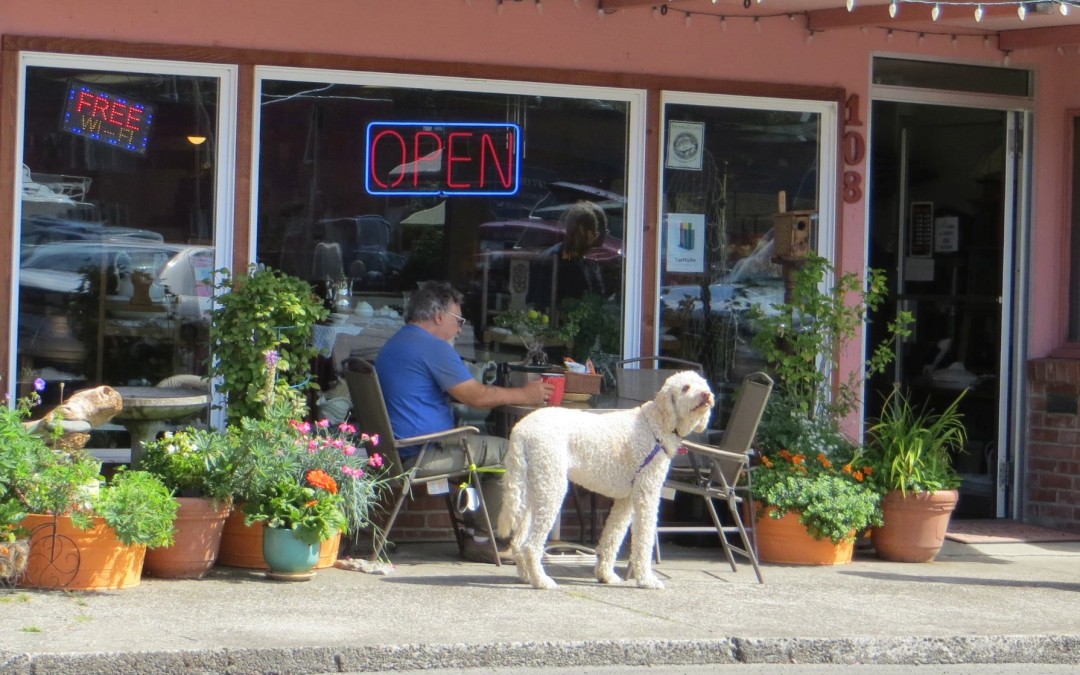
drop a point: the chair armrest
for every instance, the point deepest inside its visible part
(714, 453)
(448, 435)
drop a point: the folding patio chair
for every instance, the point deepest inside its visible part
(369, 412)
(715, 472)
(641, 384)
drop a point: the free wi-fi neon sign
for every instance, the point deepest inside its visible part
(442, 158)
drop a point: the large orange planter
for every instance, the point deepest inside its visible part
(63, 556)
(198, 527)
(241, 545)
(787, 541)
(915, 525)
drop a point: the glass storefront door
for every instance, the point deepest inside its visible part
(120, 218)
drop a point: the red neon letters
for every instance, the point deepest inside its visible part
(450, 158)
(92, 105)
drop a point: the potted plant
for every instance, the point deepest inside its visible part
(196, 465)
(83, 533)
(265, 310)
(299, 514)
(809, 470)
(347, 456)
(913, 450)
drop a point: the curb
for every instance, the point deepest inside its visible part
(1037, 649)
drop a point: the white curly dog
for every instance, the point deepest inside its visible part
(624, 455)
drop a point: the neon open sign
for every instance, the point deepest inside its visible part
(442, 158)
(106, 118)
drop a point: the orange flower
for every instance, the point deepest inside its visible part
(858, 475)
(823, 460)
(312, 503)
(766, 461)
(868, 470)
(318, 478)
(785, 454)
(798, 459)
(847, 468)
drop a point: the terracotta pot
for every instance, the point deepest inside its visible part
(915, 525)
(63, 556)
(787, 541)
(198, 528)
(328, 552)
(241, 545)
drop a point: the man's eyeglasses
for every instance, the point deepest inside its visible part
(460, 319)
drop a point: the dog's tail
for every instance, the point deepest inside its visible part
(514, 489)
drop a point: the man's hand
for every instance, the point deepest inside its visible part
(537, 392)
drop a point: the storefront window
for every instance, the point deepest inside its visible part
(117, 222)
(370, 186)
(728, 170)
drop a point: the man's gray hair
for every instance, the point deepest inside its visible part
(430, 299)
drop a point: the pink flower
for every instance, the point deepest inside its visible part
(337, 443)
(313, 447)
(375, 460)
(349, 450)
(322, 424)
(346, 428)
(349, 471)
(374, 439)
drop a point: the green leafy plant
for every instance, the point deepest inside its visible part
(266, 310)
(35, 478)
(310, 507)
(823, 478)
(802, 339)
(193, 463)
(139, 508)
(591, 327)
(913, 448)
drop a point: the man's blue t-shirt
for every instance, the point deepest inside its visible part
(415, 370)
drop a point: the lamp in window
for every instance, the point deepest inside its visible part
(196, 139)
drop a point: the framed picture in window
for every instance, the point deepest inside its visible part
(685, 145)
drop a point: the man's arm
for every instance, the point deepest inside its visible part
(477, 395)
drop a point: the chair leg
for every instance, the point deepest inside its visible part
(384, 534)
(474, 479)
(748, 546)
(720, 532)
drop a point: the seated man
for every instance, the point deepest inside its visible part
(420, 372)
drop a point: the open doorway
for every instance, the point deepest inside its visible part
(941, 225)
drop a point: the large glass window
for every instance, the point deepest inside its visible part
(118, 220)
(369, 185)
(730, 166)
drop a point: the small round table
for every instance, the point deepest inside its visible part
(147, 408)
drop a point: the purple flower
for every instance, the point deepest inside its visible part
(39, 384)
(272, 358)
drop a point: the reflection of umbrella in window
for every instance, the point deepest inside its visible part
(436, 215)
(430, 163)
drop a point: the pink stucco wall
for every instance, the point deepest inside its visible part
(569, 36)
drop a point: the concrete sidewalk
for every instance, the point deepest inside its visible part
(977, 604)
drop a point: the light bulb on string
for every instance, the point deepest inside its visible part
(986, 42)
(922, 39)
(723, 23)
(978, 13)
(746, 4)
(1005, 59)
(888, 36)
(1021, 11)
(955, 42)
(687, 19)
(850, 5)
(757, 24)
(809, 36)
(935, 13)
(893, 9)
(1063, 7)
(539, 7)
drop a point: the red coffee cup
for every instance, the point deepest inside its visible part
(557, 380)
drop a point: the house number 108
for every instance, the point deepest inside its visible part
(853, 149)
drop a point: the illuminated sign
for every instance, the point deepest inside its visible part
(106, 118)
(442, 158)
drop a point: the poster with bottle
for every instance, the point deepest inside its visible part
(685, 242)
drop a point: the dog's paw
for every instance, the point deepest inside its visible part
(544, 583)
(608, 576)
(650, 581)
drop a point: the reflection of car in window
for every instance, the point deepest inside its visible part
(51, 273)
(39, 230)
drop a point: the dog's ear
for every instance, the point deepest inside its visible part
(665, 408)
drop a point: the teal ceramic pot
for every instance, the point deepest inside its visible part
(285, 554)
